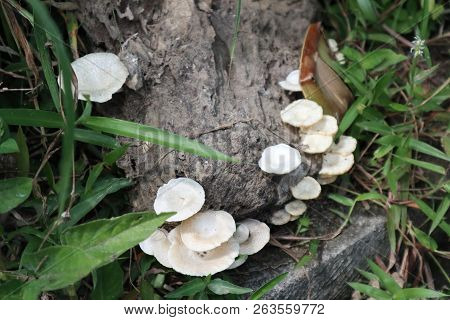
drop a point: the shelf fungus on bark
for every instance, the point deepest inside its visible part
(259, 236)
(292, 82)
(280, 217)
(302, 113)
(182, 195)
(308, 188)
(279, 159)
(99, 75)
(200, 263)
(207, 230)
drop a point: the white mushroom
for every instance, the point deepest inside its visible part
(193, 263)
(207, 230)
(302, 113)
(242, 233)
(327, 126)
(345, 146)
(323, 180)
(280, 217)
(308, 188)
(295, 208)
(316, 143)
(182, 195)
(157, 245)
(292, 82)
(279, 159)
(238, 262)
(99, 75)
(293, 218)
(259, 237)
(334, 164)
(332, 44)
(340, 57)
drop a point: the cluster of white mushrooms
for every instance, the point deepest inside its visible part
(205, 242)
(317, 133)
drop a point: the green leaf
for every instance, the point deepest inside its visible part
(96, 138)
(43, 19)
(93, 198)
(385, 279)
(419, 293)
(370, 291)
(221, 287)
(371, 196)
(425, 240)
(108, 282)
(423, 164)
(441, 212)
(375, 126)
(188, 289)
(111, 157)
(46, 63)
(381, 59)
(23, 157)
(153, 135)
(13, 192)
(268, 286)
(368, 10)
(89, 246)
(146, 290)
(424, 147)
(431, 214)
(94, 173)
(341, 199)
(9, 146)
(352, 113)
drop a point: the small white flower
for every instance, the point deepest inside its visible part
(419, 46)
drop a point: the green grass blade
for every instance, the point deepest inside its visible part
(31, 117)
(441, 212)
(370, 291)
(423, 164)
(96, 138)
(431, 214)
(268, 286)
(44, 21)
(419, 293)
(153, 135)
(46, 62)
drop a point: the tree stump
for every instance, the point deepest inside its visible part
(184, 80)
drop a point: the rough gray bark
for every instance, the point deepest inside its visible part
(178, 54)
(181, 52)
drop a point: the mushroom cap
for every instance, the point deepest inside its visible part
(207, 230)
(293, 218)
(182, 195)
(302, 113)
(279, 159)
(345, 146)
(193, 263)
(334, 164)
(340, 57)
(259, 237)
(242, 233)
(316, 143)
(323, 180)
(292, 82)
(295, 208)
(157, 245)
(308, 188)
(280, 217)
(99, 75)
(238, 262)
(326, 126)
(332, 44)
